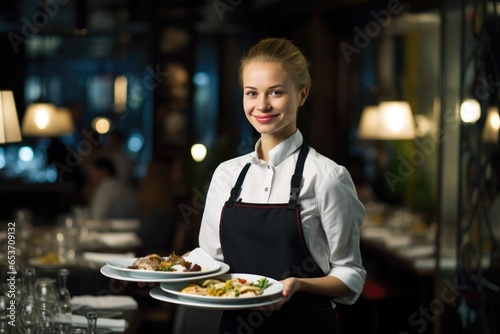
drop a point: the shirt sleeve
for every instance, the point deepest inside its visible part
(341, 214)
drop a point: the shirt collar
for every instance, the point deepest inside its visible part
(282, 150)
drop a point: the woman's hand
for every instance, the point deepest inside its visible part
(290, 286)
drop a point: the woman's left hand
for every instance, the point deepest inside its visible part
(290, 286)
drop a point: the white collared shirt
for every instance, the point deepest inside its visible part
(330, 210)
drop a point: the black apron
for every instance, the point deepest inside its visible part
(267, 240)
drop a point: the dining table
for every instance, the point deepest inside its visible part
(82, 251)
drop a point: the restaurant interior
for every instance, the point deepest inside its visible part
(405, 95)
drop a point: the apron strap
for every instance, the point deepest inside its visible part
(295, 183)
(235, 192)
(297, 176)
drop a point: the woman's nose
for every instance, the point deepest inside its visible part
(263, 104)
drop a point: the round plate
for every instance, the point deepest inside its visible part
(207, 266)
(125, 276)
(159, 294)
(273, 289)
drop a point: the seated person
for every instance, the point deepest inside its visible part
(110, 198)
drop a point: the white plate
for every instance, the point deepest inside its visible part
(207, 266)
(125, 276)
(159, 294)
(273, 288)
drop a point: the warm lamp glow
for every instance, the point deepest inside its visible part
(492, 126)
(9, 123)
(39, 120)
(368, 124)
(470, 111)
(396, 120)
(46, 120)
(101, 125)
(120, 95)
(64, 122)
(198, 152)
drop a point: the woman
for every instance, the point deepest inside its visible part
(284, 210)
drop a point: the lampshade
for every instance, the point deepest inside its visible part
(9, 123)
(396, 120)
(39, 120)
(63, 122)
(368, 124)
(492, 126)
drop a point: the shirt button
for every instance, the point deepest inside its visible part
(266, 189)
(268, 167)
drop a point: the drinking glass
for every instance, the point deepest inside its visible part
(4, 311)
(45, 292)
(29, 319)
(45, 299)
(62, 319)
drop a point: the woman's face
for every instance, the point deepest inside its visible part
(271, 99)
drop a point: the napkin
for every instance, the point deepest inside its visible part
(124, 224)
(114, 324)
(418, 251)
(103, 258)
(104, 302)
(398, 241)
(201, 253)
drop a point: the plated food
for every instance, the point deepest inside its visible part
(221, 303)
(226, 288)
(234, 287)
(144, 276)
(173, 266)
(154, 262)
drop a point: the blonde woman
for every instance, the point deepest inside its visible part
(284, 211)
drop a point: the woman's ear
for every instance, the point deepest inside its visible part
(303, 93)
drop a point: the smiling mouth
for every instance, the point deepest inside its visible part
(266, 118)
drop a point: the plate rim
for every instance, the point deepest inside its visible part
(116, 274)
(145, 273)
(159, 294)
(222, 299)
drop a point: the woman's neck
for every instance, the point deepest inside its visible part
(268, 142)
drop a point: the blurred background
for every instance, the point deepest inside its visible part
(405, 94)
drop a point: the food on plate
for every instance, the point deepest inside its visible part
(50, 257)
(235, 287)
(154, 262)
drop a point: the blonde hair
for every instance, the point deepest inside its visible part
(282, 51)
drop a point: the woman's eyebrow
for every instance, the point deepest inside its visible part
(272, 87)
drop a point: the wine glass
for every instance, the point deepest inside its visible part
(4, 311)
(29, 319)
(46, 300)
(4, 286)
(45, 293)
(62, 319)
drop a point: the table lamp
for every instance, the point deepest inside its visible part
(368, 124)
(9, 123)
(390, 120)
(46, 120)
(396, 120)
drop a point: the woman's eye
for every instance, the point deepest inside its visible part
(276, 92)
(251, 93)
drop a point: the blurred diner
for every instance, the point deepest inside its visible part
(109, 196)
